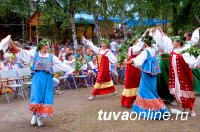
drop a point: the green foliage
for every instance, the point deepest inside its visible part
(183, 14)
(51, 51)
(18, 7)
(14, 11)
(195, 51)
(123, 50)
(79, 62)
(56, 21)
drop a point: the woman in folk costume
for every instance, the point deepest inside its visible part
(41, 96)
(192, 39)
(104, 83)
(165, 47)
(132, 77)
(180, 75)
(148, 103)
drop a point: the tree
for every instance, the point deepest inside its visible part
(93, 7)
(56, 21)
(15, 8)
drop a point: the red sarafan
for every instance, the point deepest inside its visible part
(132, 81)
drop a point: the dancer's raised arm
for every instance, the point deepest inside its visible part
(91, 45)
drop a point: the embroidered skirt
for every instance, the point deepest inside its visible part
(41, 98)
(148, 103)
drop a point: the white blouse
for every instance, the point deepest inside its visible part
(198, 61)
(165, 46)
(136, 48)
(28, 56)
(189, 59)
(164, 43)
(195, 37)
(139, 60)
(110, 55)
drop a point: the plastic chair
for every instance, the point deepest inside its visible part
(24, 73)
(10, 75)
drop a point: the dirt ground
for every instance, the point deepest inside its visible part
(75, 113)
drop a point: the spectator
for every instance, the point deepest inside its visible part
(62, 54)
(88, 55)
(79, 52)
(16, 59)
(9, 64)
(69, 60)
(56, 48)
(113, 46)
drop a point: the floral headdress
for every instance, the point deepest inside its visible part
(148, 40)
(106, 41)
(178, 39)
(42, 43)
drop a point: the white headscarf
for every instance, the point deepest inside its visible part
(6, 55)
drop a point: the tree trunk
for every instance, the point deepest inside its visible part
(31, 4)
(124, 26)
(107, 30)
(73, 26)
(97, 28)
(124, 21)
(23, 30)
(174, 23)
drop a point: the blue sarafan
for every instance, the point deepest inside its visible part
(148, 104)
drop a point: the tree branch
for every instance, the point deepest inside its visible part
(197, 18)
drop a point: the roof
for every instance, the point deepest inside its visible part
(35, 19)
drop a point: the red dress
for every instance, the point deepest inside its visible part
(181, 81)
(104, 83)
(132, 81)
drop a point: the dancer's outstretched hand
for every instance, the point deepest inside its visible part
(11, 43)
(147, 30)
(84, 40)
(161, 31)
(153, 30)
